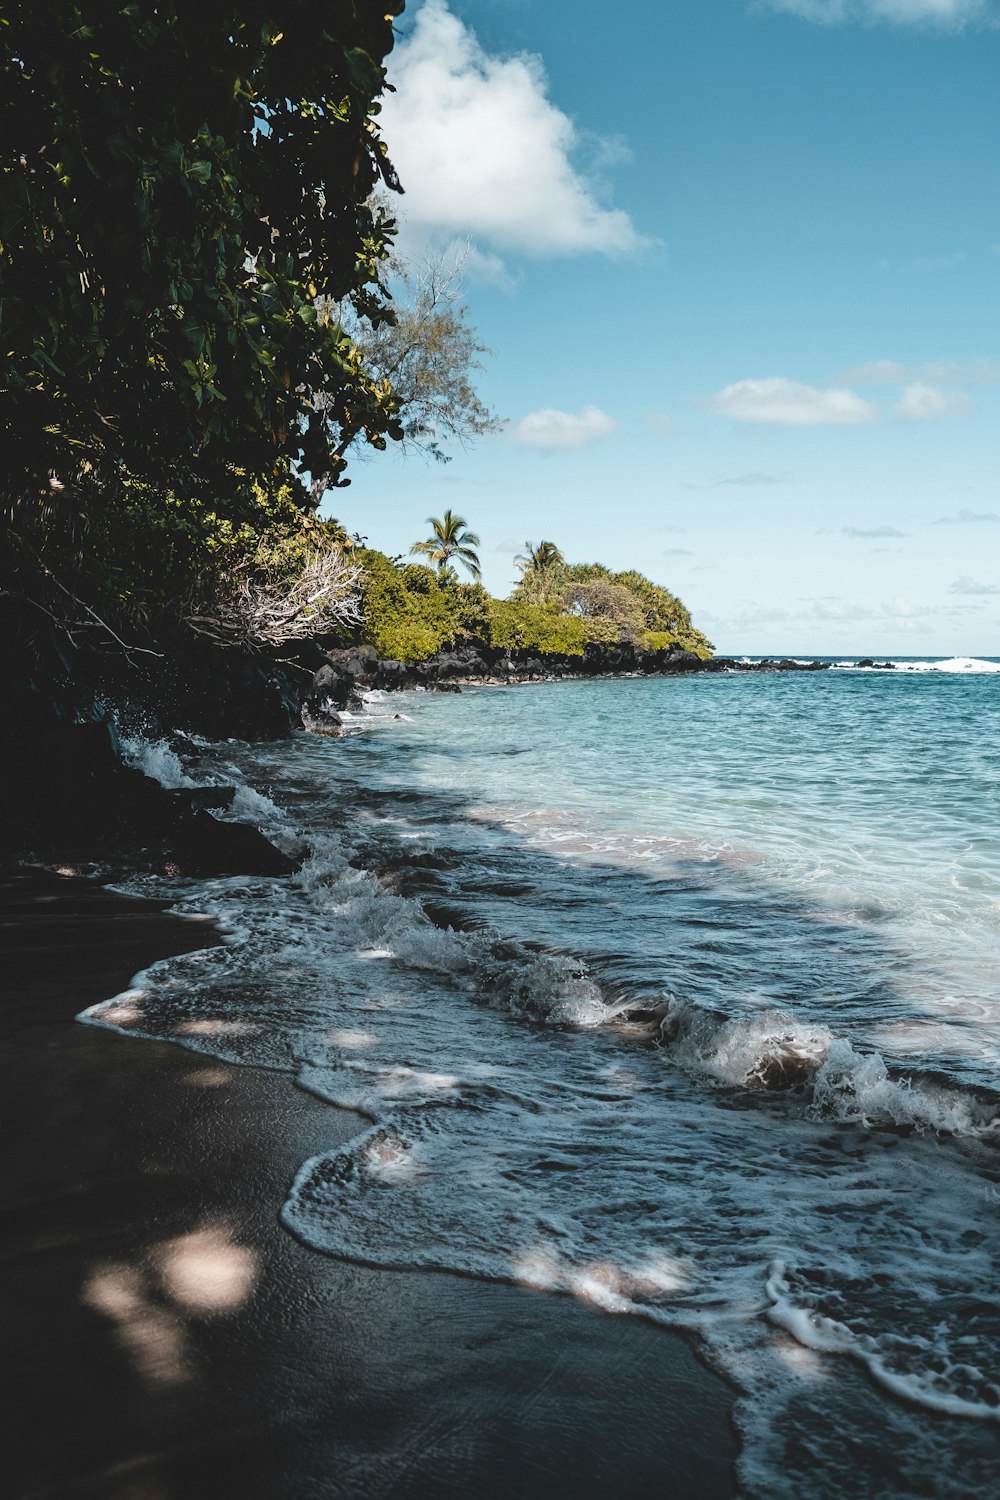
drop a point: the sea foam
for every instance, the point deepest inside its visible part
(547, 1104)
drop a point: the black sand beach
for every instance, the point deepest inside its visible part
(165, 1337)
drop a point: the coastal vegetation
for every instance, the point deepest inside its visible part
(410, 610)
(203, 318)
(450, 538)
(189, 237)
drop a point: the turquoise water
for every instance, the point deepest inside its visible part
(679, 996)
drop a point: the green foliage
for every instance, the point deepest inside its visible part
(178, 186)
(614, 608)
(536, 627)
(643, 612)
(428, 352)
(411, 611)
(147, 554)
(474, 607)
(449, 539)
(408, 613)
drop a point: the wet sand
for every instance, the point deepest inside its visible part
(164, 1337)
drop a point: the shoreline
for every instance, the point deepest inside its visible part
(177, 1340)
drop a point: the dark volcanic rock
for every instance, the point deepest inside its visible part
(74, 799)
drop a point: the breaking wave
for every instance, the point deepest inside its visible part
(544, 1103)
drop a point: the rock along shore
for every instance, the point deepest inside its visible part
(339, 680)
(68, 795)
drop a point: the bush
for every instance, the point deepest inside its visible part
(607, 608)
(408, 614)
(534, 627)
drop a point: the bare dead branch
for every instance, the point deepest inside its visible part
(255, 607)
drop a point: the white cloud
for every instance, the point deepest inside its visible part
(563, 430)
(900, 608)
(967, 517)
(834, 608)
(929, 403)
(871, 531)
(938, 372)
(950, 15)
(789, 404)
(481, 150)
(967, 585)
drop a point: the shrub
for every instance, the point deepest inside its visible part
(534, 627)
(613, 611)
(407, 613)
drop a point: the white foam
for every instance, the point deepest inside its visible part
(964, 664)
(155, 758)
(543, 1155)
(922, 1370)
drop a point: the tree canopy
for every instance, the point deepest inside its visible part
(621, 606)
(428, 353)
(449, 539)
(179, 184)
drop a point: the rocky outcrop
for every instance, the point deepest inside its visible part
(75, 800)
(65, 792)
(338, 681)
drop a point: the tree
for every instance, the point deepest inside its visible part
(541, 569)
(179, 184)
(607, 602)
(427, 353)
(540, 559)
(450, 539)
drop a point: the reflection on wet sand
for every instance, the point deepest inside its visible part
(203, 1274)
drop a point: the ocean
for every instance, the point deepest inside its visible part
(676, 995)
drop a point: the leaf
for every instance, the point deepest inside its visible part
(365, 74)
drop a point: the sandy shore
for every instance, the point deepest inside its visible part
(164, 1337)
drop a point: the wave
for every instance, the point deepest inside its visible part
(772, 1050)
(754, 1179)
(155, 759)
(924, 1370)
(967, 665)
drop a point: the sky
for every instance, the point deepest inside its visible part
(737, 265)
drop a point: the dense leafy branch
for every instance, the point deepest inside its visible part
(179, 184)
(427, 353)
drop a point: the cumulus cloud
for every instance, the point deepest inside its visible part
(871, 531)
(948, 15)
(482, 150)
(929, 403)
(967, 585)
(937, 372)
(967, 517)
(787, 403)
(834, 608)
(563, 431)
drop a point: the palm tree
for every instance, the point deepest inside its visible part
(450, 540)
(539, 559)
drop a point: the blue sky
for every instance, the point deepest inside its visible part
(737, 262)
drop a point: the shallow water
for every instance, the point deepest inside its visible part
(677, 995)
